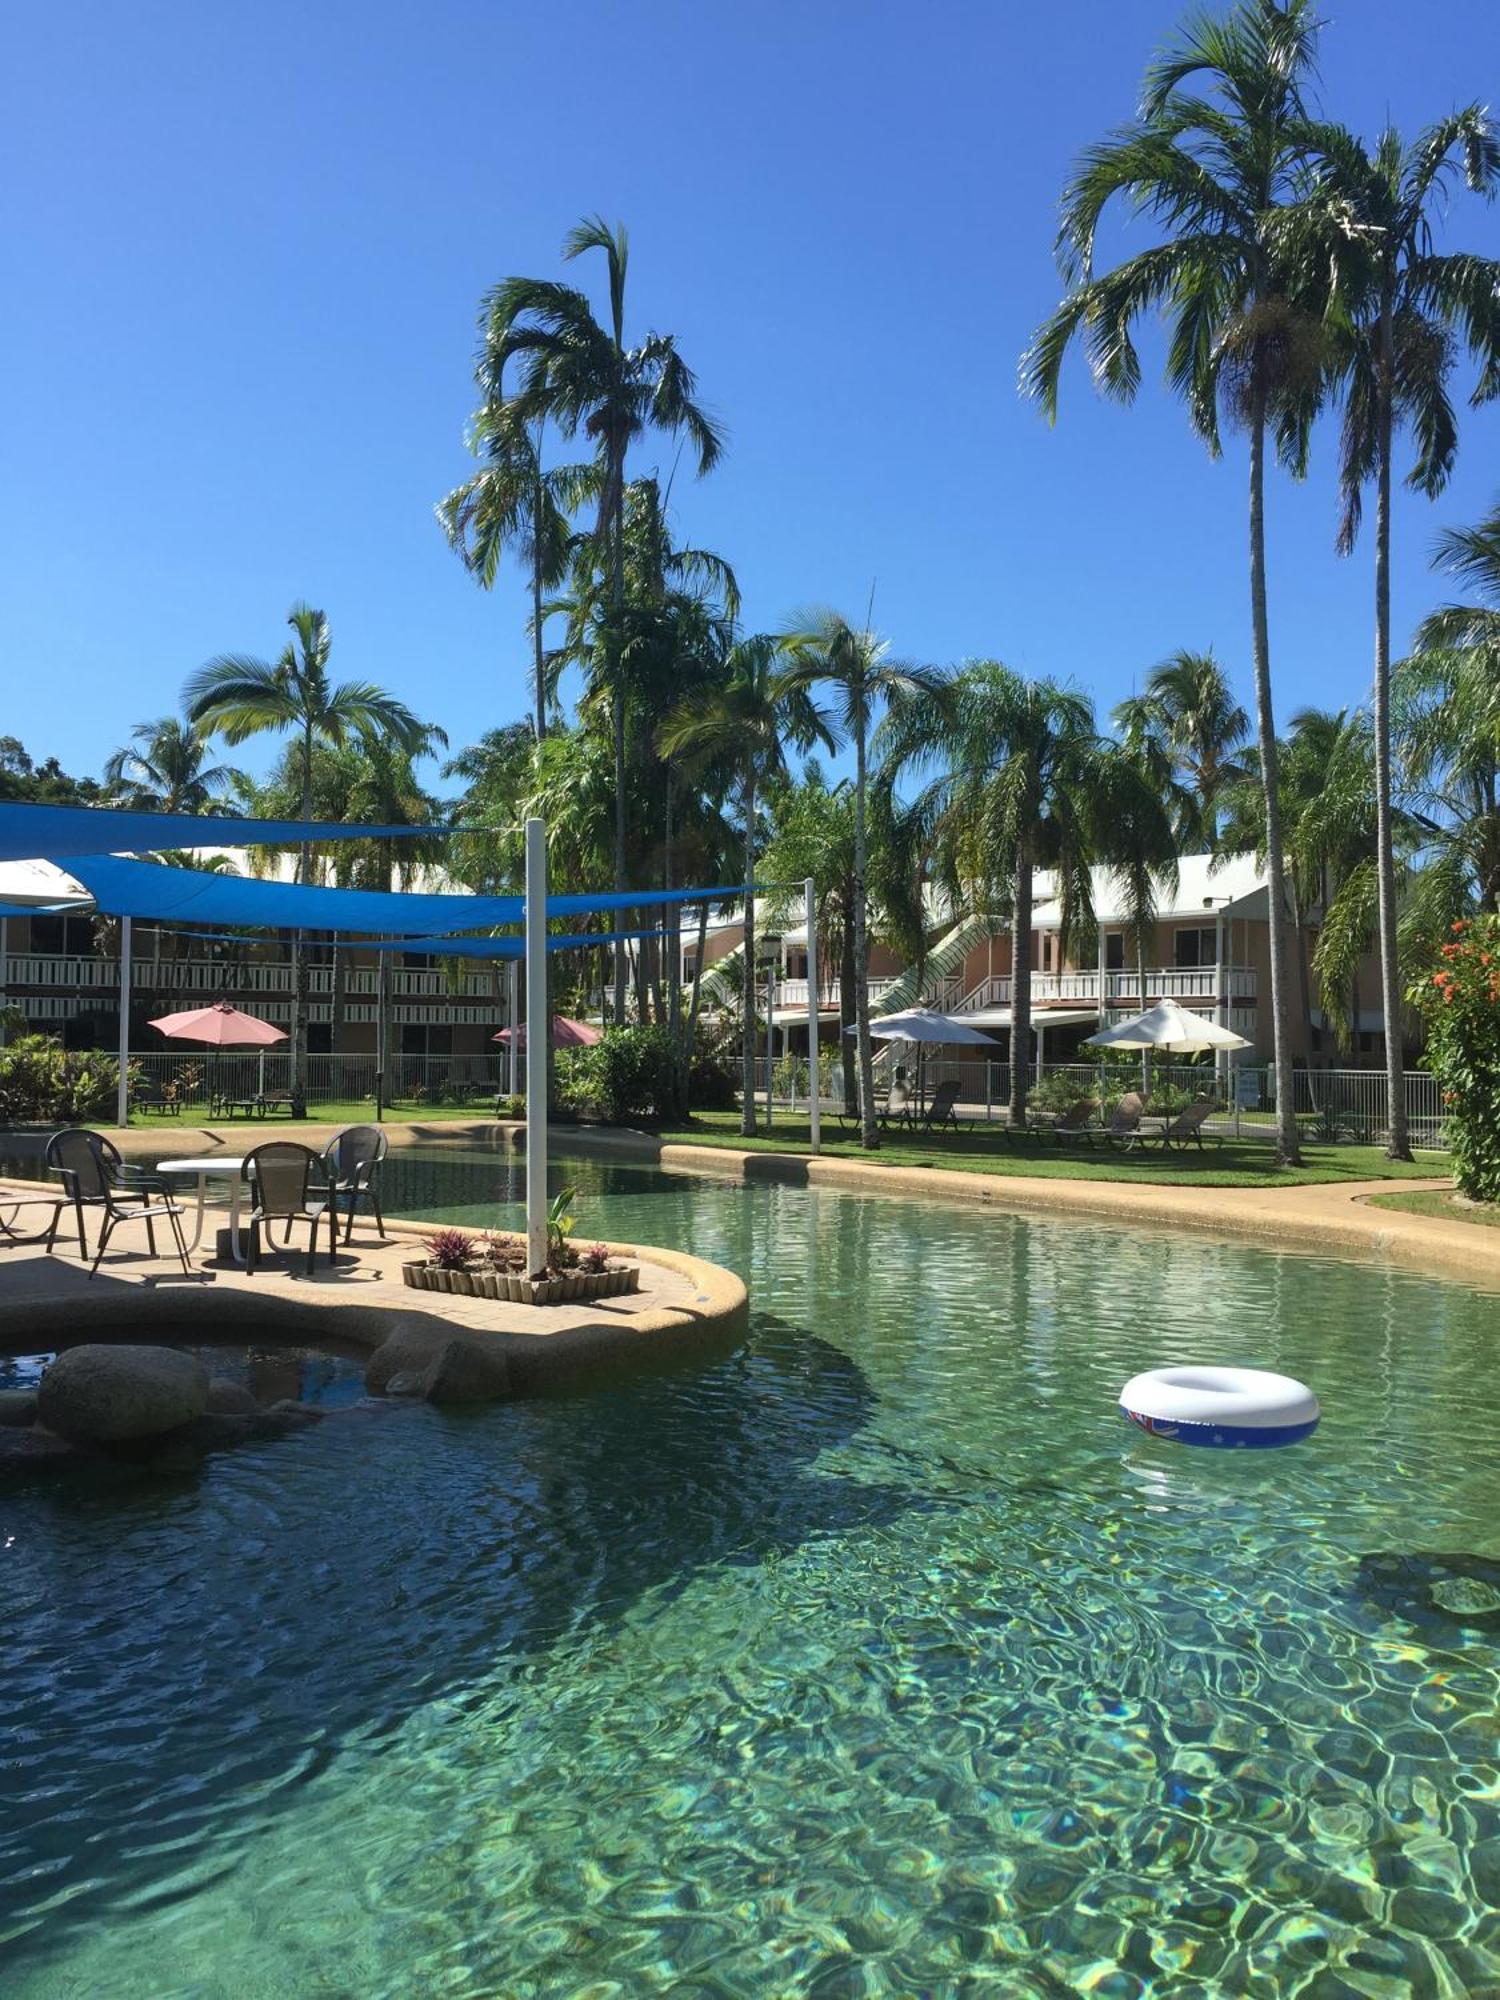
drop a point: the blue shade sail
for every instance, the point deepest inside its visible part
(123, 888)
(30, 832)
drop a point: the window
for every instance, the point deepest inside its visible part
(418, 961)
(74, 935)
(1196, 947)
(1114, 951)
(320, 1038)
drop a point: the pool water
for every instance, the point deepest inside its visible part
(881, 1657)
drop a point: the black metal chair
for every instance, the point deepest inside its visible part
(94, 1176)
(281, 1179)
(351, 1162)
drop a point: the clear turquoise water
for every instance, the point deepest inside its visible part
(879, 1658)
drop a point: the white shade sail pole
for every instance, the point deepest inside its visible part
(122, 1092)
(814, 1109)
(538, 1032)
(512, 1005)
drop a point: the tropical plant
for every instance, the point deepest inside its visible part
(579, 374)
(41, 1082)
(164, 768)
(824, 650)
(239, 696)
(1461, 1000)
(1397, 307)
(560, 1220)
(1188, 724)
(1018, 766)
(1218, 156)
(513, 501)
(450, 1249)
(746, 722)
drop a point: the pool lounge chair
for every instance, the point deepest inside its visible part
(1123, 1126)
(1186, 1129)
(896, 1110)
(1071, 1127)
(941, 1111)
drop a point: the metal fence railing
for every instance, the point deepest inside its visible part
(193, 1079)
(1339, 1106)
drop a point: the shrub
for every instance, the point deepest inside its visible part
(41, 1082)
(627, 1075)
(1461, 1001)
(450, 1249)
(1057, 1091)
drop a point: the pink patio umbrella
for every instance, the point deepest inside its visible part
(222, 1027)
(566, 1033)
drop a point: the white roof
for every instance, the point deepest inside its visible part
(1206, 885)
(37, 882)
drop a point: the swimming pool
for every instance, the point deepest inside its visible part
(880, 1657)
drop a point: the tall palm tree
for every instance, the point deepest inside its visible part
(580, 374)
(513, 501)
(1018, 768)
(1218, 155)
(239, 696)
(747, 721)
(824, 650)
(1398, 308)
(1187, 715)
(164, 769)
(1136, 814)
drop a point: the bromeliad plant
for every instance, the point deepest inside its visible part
(450, 1249)
(1461, 1001)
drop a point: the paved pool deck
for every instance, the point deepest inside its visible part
(685, 1305)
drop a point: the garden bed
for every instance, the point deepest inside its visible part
(520, 1289)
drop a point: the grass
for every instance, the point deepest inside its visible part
(1248, 1163)
(350, 1111)
(1437, 1201)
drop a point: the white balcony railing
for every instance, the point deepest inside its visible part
(248, 977)
(1200, 983)
(793, 992)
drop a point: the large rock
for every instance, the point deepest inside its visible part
(17, 1407)
(441, 1366)
(230, 1399)
(108, 1395)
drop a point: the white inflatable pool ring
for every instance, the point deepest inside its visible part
(1228, 1407)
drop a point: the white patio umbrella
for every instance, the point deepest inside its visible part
(924, 1024)
(1168, 1027)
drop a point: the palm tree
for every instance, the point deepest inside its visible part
(824, 650)
(1136, 813)
(240, 696)
(1019, 770)
(514, 502)
(163, 769)
(579, 374)
(1218, 155)
(747, 721)
(1397, 307)
(1188, 716)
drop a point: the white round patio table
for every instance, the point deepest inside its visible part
(212, 1166)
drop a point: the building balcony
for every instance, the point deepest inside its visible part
(792, 993)
(39, 972)
(1200, 985)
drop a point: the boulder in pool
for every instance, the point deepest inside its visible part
(109, 1395)
(17, 1408)
(230, 1399)
(439, 1365)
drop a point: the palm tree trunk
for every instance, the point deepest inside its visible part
(1398, 1140)
(848, 1054)
(869, 1131)
(747, 1036)
(617, 713)
(539, 660)
(697, 982)
(339, 1001)
(1020, 986)
(1288, 1152)
(297, 1089)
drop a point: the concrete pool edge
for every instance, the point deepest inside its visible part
(1329, 1218)
(701, 1308)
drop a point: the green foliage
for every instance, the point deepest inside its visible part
(560, 1220)
(1057, 1091)
(42, 1083)
(450, 1249)
(629, 1075)
(1461, 1000)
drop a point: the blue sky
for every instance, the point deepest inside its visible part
(245, 245)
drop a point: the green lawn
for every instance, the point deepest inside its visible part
(358, 1111)
(1434, 1201)
(1248, 1163)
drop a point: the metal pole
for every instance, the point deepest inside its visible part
(814, 1108)
(538, 1032)
(770, 1037)
(513, 978)
(122, 1091)
(382, 964)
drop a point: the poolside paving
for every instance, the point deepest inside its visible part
(361, 1300)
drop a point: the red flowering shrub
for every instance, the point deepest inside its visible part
(1461, 1001)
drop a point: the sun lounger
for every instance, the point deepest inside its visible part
(941, 1111)
(1186, 1129)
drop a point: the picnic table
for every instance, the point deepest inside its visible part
(223, 1106)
